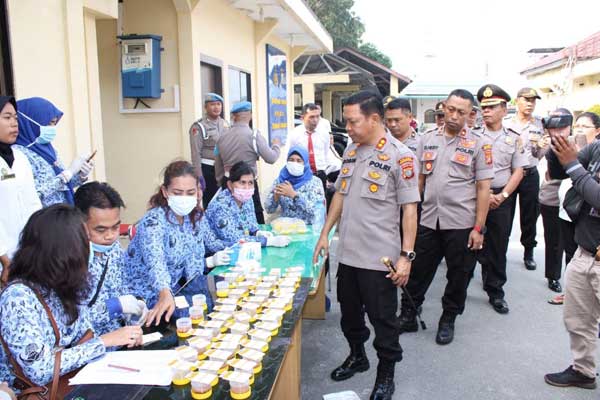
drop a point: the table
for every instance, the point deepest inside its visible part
(298, 253)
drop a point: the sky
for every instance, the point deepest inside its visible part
(453, 41)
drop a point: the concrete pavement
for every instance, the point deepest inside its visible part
(493, 356)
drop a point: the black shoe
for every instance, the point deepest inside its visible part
(384, 383)
(570, 377)
(357, 361)
(407, 321)
(554, 285)
(500, 306)
(528, 260)
(445, 333)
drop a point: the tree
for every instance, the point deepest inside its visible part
(595, 109)
(346, 28)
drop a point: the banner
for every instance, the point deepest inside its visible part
(277, 95)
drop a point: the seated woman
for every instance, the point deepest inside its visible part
(37, 129)
(231, 215)
(297, 191)
(169, 247)
(47, 287)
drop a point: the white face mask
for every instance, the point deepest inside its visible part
(294, 168)
(182, 205)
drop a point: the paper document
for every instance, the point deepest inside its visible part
(136, 367)
(151, 338)
(347, 395)
(181, 302)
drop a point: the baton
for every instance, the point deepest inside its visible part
(388, 263)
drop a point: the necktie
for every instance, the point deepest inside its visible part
(311, 153)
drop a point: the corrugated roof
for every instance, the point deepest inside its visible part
(586, 49)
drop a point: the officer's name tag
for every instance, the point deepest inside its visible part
(6, 177)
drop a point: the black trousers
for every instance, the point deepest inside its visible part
(567, 240)
(552, 240)
(360, 290)
(208, 172)
(258, 208)
(529, 206)
(431, 246)
(495, 246)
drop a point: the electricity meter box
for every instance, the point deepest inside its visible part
(140, 66)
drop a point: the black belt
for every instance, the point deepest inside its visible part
(529, 171)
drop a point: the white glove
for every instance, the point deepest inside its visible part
(131, 305)
(145, 311)
(278, 241)
(86, 169)
(219, 258)
(73, 169)
(265, 234)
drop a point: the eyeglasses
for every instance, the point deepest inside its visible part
(583, 127)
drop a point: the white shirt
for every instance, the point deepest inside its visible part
(320, 140)
(324, 126)
(18, 199)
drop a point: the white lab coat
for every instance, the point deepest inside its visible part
(18, 200)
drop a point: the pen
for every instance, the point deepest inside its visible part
(123, 368)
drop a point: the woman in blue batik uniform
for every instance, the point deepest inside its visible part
(170, 243)
(37, 129)
(231, 212)
(52, 260)
(109, 301)
(297, 191)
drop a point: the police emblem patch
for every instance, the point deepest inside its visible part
(487, 151)
(373, 188)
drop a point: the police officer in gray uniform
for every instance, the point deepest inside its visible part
(240, 143)
(530, 129)
(204, 134)
(377, 178)
(398, 115)
(509, 160)
(456, 171)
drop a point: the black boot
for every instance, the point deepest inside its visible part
(407, 321)
(357, 361)
(528, 259)
(445, 333)
(384, 383)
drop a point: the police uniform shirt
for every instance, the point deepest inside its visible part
(238, 144)
(375, 182)
(508, 154)
(412, 141)
(451, 166)
(204, 134)
(531, 134)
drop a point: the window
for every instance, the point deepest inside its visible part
(6, 75)
(239, 86)
(212, 81)
(429, 117)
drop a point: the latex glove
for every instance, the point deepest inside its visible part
(265, 234)
(73, 169)
(131, 305)
(278, 241)
(219, 258)
(140, 321)
(86, 168)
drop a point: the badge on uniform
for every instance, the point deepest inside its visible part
(374, 175)
(406, 163)
(373, 188)
(429, 155)
(508, 141)
(466, 143)
(383, 157)
(487, 151)
(343, 184)
(428, 166)
(351, 153)
(463, 133)
(461, 158)
(345, 170)
(381, 143)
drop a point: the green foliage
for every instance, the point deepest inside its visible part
(595, 109)
(371, 51)
(346, 28)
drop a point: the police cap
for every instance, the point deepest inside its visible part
(241, 107)
(490, 95)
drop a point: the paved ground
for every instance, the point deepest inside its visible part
(493, 357)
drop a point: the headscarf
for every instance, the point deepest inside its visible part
(41, 111)
(5, 149)
(296, 181)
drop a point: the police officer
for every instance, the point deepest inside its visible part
(439, 114)
(509, 159)
(204, 134)
(378, 177)
(531, 131)
(240, 143)
(456, 171)
(398, 116)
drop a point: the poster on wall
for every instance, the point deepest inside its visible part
(277, 95)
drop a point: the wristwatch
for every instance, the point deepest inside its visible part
(505, 195)
(411, 255)
(480, 229)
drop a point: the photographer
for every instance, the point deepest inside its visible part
(582, 294)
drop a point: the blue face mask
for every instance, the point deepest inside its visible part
(47, 133)
(101, 248)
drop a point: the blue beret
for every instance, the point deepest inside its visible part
(208, 97)
(241, 106)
